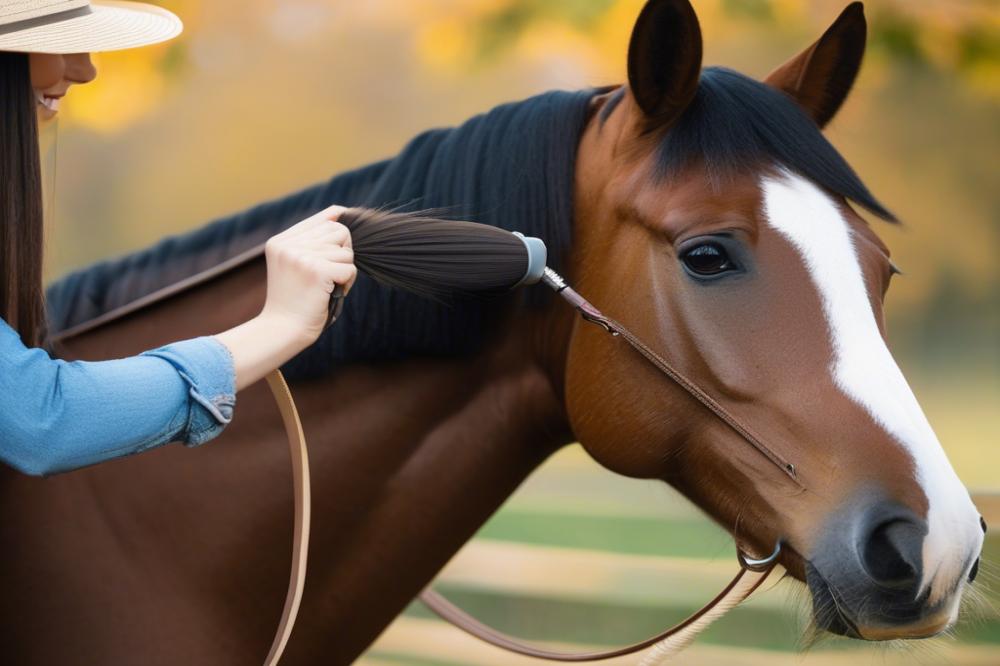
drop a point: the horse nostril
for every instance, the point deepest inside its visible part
(892, 554)
(982, 523)
(974, 571)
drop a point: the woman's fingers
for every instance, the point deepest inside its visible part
(332, 273)
(344, 275)
(305, 263)
(330, 232)
(338, 254)
(315, 223)
(335, 256)
(321, 219)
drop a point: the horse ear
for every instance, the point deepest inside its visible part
(820, 77)
(664, 60)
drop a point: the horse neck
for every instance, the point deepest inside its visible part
(408, 458)
(410, 490)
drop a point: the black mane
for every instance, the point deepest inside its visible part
(735, 124)
(511, 168)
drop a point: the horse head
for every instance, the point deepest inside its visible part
(713, 219)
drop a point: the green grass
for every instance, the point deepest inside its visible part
(616, 534)
(394, 657)
(546, 619)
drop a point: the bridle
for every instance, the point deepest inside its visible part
(752, 572)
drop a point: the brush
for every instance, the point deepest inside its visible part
(441, 259)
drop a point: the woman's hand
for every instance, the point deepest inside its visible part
(304, 264)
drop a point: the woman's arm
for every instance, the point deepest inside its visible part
(57, 415)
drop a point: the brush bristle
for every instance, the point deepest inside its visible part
(434, 257)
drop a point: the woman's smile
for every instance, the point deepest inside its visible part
(53, 75)
(49, 102)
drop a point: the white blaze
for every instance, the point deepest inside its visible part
(866, 372)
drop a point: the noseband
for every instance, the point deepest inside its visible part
(750, 576)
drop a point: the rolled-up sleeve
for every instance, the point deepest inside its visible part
(206, 366)
(57, 415)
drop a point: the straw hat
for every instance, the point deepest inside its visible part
(81, 26)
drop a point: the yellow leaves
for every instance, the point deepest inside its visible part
(478, 30)
(923, 138)
(444, 43)
(790, 10)
(424, 10)
(984, 77)
(189, 12)
(446, 31)
(549, 37)
(557, 49)
(613, 32)
(453, 36)
(940, 44)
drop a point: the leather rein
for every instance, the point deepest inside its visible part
(752, 572)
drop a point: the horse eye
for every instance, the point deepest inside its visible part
(707, 259)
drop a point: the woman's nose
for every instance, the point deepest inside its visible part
(79, 68)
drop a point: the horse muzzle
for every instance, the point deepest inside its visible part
(866, 576)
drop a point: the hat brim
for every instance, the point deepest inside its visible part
(110, 26)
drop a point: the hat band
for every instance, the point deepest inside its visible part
(49, 19)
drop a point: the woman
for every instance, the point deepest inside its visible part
(56, 416)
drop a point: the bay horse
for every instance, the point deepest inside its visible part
(702, 208)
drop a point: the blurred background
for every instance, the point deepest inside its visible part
(262, 97)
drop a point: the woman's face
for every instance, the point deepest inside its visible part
(52, 75)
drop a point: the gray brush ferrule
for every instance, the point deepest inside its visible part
(537, 256)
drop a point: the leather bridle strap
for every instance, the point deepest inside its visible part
(302, 494)
(300, 535)
(595, 316)
(301, 491)
(293, 430)
(665, 643)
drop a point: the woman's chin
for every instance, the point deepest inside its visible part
(45, 114)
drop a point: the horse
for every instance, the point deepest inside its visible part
(702, 208)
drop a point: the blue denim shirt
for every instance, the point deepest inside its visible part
(57, 415)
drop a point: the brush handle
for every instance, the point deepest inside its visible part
(336, 306)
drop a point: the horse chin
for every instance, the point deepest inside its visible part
(828, 614)
(831, 614)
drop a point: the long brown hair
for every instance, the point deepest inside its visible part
(22, 302)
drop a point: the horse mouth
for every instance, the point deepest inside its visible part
(899, 616)
(829, 611)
